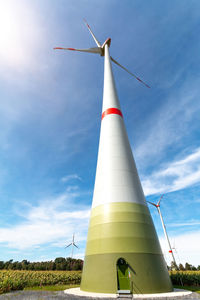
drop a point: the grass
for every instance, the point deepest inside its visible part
(57, 287)
(192, 288)
(62, 287)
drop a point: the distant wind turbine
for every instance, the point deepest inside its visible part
(164, 227)
(73, 245)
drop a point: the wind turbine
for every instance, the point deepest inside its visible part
(73, 245)
(164, 227)
(121, 233)
(100, 49)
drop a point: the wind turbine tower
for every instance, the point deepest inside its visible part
(123, 252)
(164, 227)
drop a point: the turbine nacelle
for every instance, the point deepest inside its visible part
(100, 49)
(156, 204)
(107, 42)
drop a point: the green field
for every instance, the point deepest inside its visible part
(185, 278)
(19, 280)
(59, 280)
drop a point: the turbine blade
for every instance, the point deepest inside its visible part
(95, 50)
(94, 37)
(151, 203)
(160, 199)
(76, 246)
(68, 245)
(129, 72)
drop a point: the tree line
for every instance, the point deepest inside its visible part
(68, 264)
(59, 264)
(181, 267)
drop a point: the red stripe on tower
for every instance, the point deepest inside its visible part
(111, 110)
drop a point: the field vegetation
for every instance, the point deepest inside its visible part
(185, 278)
(18, 280)
(12, 280)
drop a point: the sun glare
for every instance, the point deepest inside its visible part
(16, 32)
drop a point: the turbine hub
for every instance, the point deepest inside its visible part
(107, 42)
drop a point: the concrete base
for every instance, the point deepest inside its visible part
(172, 295)
(78, 292)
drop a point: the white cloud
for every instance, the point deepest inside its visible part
(176, 176)
(169, 124)
(186, 246)
(79, 255)
(191, 223)
(71, 177)
(49, 222)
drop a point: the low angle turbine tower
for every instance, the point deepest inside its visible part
(123, 253)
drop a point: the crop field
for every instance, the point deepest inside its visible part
(18, 280)
(11, 280)
(185, 278)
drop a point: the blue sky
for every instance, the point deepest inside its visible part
(50, 116)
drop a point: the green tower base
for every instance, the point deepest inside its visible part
(100, 273)
(124, 230)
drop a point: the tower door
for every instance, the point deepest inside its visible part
(123, 276)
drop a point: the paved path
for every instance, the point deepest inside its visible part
(36, 295)
(44, 295)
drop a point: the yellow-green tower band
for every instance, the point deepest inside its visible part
(123, 230)
(123, 250)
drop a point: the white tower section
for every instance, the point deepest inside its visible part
(116, 176)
